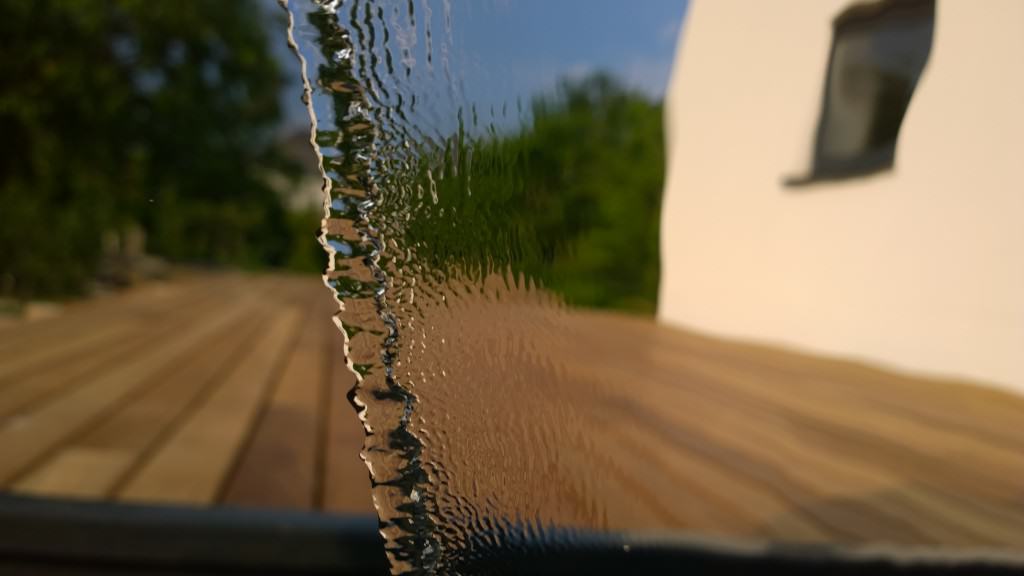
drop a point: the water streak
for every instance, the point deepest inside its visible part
(350, 163)
(458, 229)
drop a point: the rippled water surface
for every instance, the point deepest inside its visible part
(495, 173)
(478, 189)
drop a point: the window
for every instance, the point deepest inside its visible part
(878, 53)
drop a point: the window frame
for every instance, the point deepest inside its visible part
(874, 160)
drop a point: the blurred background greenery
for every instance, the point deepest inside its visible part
(141, 134)
(136, 129)
(567, 195)
(571, 199)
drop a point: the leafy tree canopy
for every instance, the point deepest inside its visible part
(136, 113)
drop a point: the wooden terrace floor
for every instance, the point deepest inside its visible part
(212, 389)
(229, 389)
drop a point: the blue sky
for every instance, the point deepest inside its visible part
(536, 41)
(501, 50)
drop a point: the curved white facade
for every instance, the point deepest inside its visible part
(920, 268)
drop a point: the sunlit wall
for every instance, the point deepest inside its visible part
(917, 267)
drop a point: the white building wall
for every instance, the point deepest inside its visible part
(920, 268)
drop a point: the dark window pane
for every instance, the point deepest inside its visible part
(878, 54)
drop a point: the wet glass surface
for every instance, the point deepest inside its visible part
(479, 188)
(496, 173)
(587, 311)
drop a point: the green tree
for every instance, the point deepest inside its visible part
(133, 112)
(573, 199)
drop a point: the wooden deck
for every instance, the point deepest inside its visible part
(229, 389)
(212, 389)
(744, 440)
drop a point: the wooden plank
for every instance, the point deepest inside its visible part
(965, 406)
(77, 472)
(30, 437)
(917, 444)
(713, 436)
(772, 426)
(44, 383)
(20, 395)
(138, 425)
(23, 365)
(346, 484)
(754, 448)
(279, 466)
(95, 326)
(193, 464)
(83, 316)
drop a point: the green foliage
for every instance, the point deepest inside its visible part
(572, 200)
(133, 112)
(305, 256)
(609, 146)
